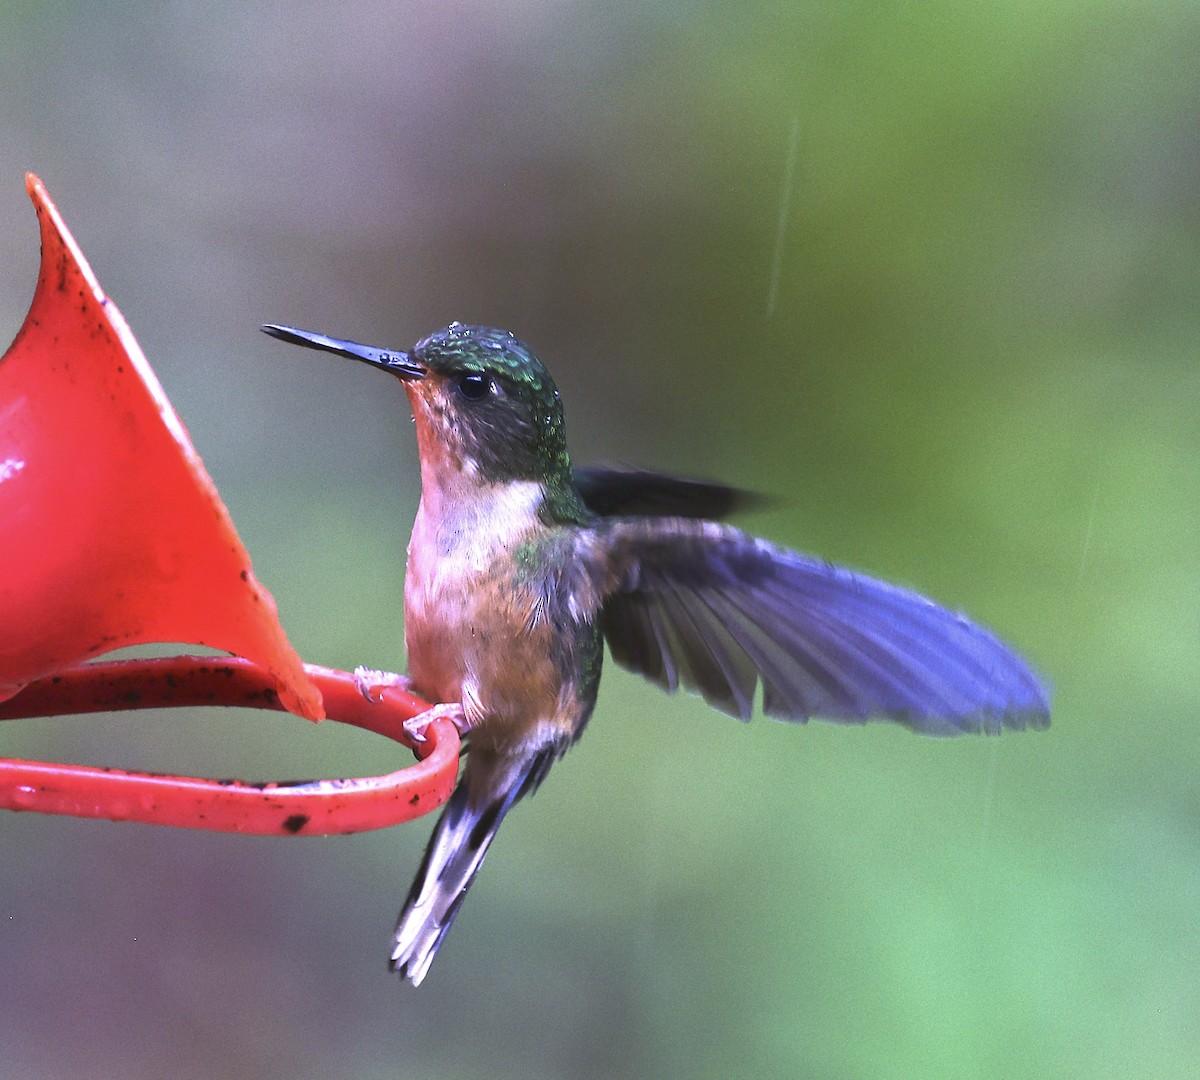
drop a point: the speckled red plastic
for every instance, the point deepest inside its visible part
(113, 534)
(111, 531)
(312, 808)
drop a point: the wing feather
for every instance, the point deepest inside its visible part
(705, 606)
(717, 667)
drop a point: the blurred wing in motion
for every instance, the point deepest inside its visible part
(617, 492)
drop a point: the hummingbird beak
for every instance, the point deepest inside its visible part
(399, 364)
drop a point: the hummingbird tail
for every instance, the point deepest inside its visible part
(489, 786)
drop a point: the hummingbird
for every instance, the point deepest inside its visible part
(520, 568)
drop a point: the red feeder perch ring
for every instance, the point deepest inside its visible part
(113, 534)
(311, 808)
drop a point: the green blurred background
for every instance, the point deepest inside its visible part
(927, 273)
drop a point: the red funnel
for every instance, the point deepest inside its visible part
(111, 531)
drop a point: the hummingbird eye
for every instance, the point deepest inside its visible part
(474, 385)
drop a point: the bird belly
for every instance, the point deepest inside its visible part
(471, 638)
(472, 644)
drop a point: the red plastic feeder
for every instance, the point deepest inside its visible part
(113, 534)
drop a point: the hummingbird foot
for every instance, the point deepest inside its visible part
(414, 726)
(371, 682)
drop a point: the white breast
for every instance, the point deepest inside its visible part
(456, 538)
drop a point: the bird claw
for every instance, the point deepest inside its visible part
(415, 726)
(371, 682)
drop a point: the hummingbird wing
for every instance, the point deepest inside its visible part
(717, 611)
(620, 492)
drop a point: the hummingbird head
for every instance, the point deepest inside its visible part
(484, 405)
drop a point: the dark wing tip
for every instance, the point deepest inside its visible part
(616, 491)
